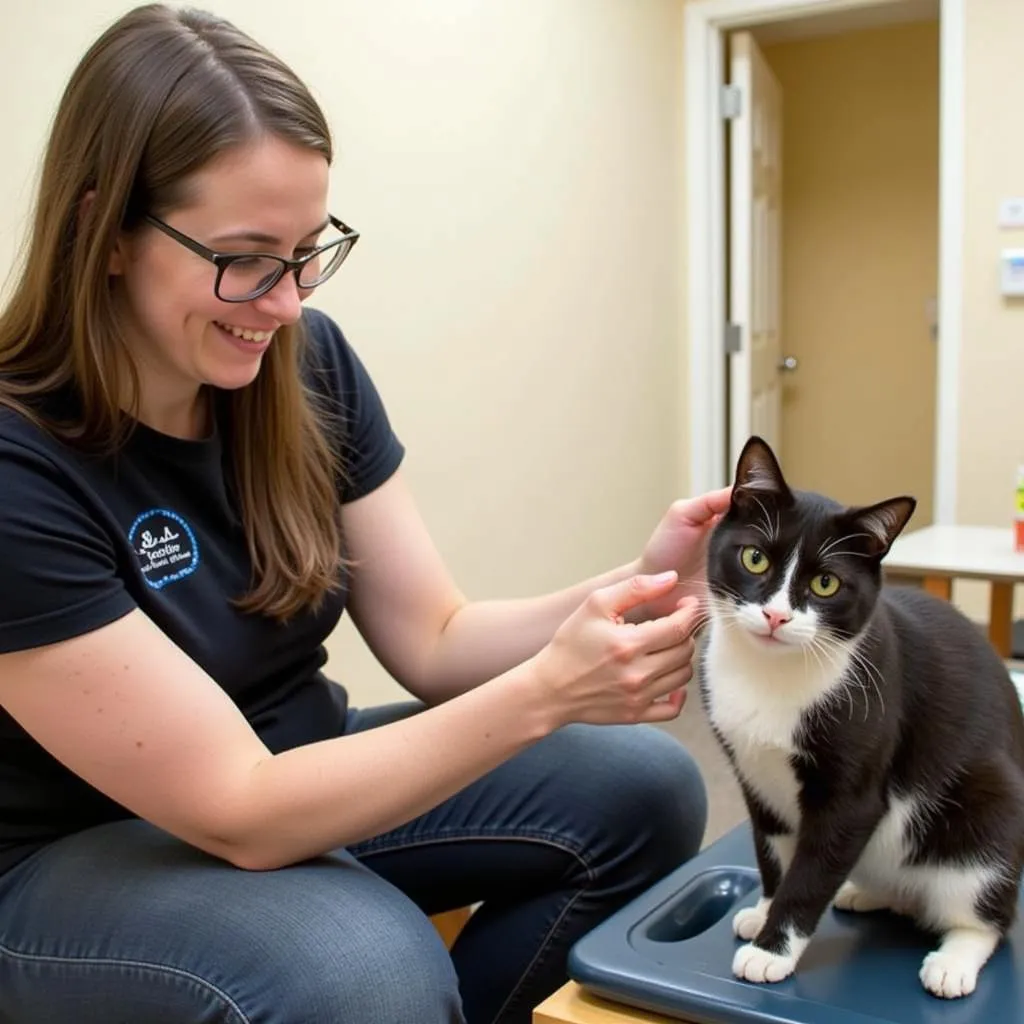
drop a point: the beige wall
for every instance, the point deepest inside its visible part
(991, 392)
(514, 168)
(992, 360)
(860, 260)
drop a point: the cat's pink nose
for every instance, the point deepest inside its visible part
(775, 618)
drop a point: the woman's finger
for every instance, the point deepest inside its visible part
(659, 687)
(667, 707)
(670, 630)
(698, 511)
(669, 659)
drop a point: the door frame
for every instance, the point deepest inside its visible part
(706, 23)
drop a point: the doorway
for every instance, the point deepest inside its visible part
(832, 179)
(709, 23)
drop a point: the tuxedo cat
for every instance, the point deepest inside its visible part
(875, 733)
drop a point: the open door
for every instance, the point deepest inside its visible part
(755, 280)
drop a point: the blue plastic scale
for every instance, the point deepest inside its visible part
(671, 951)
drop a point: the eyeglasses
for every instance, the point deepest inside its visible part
(244, 276)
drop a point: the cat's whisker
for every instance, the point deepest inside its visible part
(825, 709)
(871, 672)
(820, 708)
(853, 678)
(813, 648)
(772, 530)
(726, 601)
(836, 541)
(869, 666)
(871, 669)
(729, 602)
(724, 614)
(728, 620)
(849, 697)
(833, 654)
(818, 651)
(862, 686)
(684, 581)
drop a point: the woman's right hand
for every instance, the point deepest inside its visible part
(600, 669)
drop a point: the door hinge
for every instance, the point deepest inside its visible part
(733, 339)
(732, 102)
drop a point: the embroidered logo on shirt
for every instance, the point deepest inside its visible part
(166, 546)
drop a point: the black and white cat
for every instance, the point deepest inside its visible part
(876, 734)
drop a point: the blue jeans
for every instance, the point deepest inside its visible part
(124, 924)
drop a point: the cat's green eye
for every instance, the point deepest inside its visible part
(824, 584)
(754, 560)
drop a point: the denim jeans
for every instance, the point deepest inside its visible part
(124, 924)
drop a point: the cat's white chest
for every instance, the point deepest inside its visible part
(769, 773)
(757, 704)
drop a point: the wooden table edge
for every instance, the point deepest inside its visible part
(572, 1004)
(918, 572)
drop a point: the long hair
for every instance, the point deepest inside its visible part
(158, 95)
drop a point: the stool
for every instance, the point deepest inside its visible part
(573, 1005)
(450, 923)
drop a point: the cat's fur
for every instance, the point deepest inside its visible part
(876, 734)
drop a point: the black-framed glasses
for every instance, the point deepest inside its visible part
(244, 276)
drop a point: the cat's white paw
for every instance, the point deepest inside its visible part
(853, 898)
(947, 975)
(758, 965)
(748, 922)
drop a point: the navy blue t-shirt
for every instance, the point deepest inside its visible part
(84, 540)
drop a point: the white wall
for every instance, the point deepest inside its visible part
(514, 167)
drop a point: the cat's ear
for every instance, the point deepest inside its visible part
(881, 524)
(758, 475)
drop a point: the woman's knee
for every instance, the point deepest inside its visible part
(153, 922)
(379, 969)
(651, 800)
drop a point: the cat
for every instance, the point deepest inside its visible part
(876, 735)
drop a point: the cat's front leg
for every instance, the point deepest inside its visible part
(827, 848)
(748, 922)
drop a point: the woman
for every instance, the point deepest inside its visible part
(199, 476)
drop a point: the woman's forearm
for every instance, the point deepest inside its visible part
(487, 638)
(339, 791)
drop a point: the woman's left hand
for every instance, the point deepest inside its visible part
(680, 542)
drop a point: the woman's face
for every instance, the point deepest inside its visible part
(267, 196)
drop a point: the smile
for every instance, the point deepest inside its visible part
(245, 333)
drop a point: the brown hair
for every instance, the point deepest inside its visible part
(156, 97)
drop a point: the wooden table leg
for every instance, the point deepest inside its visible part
(1000, 618)
(940, 586)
